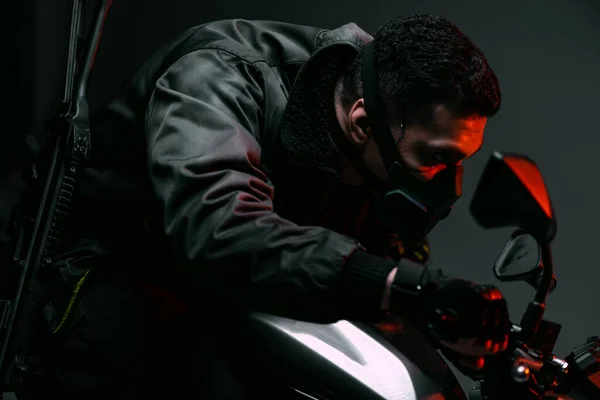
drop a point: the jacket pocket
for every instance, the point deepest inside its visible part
(71, 275)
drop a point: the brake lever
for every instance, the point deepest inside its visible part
(523, 365)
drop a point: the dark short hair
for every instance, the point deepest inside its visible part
(424, 61)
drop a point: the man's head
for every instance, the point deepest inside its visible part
(437, 89)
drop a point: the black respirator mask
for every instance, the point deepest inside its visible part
(409, 207)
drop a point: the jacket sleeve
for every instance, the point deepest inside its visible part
(202, 125)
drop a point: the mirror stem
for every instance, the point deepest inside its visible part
(535, 310)
(547, 275)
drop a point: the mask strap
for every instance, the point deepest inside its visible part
(396, 141)
(375, 110)
(353, 155)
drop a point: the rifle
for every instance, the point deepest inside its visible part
(38, 222)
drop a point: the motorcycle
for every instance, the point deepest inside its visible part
(289, 359)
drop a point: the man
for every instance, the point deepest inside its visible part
(247, 166)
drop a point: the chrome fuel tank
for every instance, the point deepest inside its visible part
(346, 360)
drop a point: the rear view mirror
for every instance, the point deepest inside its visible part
(512, 193)
(521, 260)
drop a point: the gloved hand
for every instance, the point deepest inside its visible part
(468, 319)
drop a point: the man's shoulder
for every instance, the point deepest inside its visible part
(272, 42)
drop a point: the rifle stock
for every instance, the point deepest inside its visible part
(38, 223)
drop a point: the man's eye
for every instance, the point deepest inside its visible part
(438, 158)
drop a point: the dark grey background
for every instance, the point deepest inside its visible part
(545, 53)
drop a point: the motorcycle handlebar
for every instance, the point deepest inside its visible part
(553, 375)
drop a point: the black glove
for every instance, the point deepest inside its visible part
(469, 319)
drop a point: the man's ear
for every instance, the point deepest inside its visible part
(359, 129)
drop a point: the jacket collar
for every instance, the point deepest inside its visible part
(305, 132)
(349, 34)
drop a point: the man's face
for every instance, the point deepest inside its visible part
(425, 148)
(446, 141)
